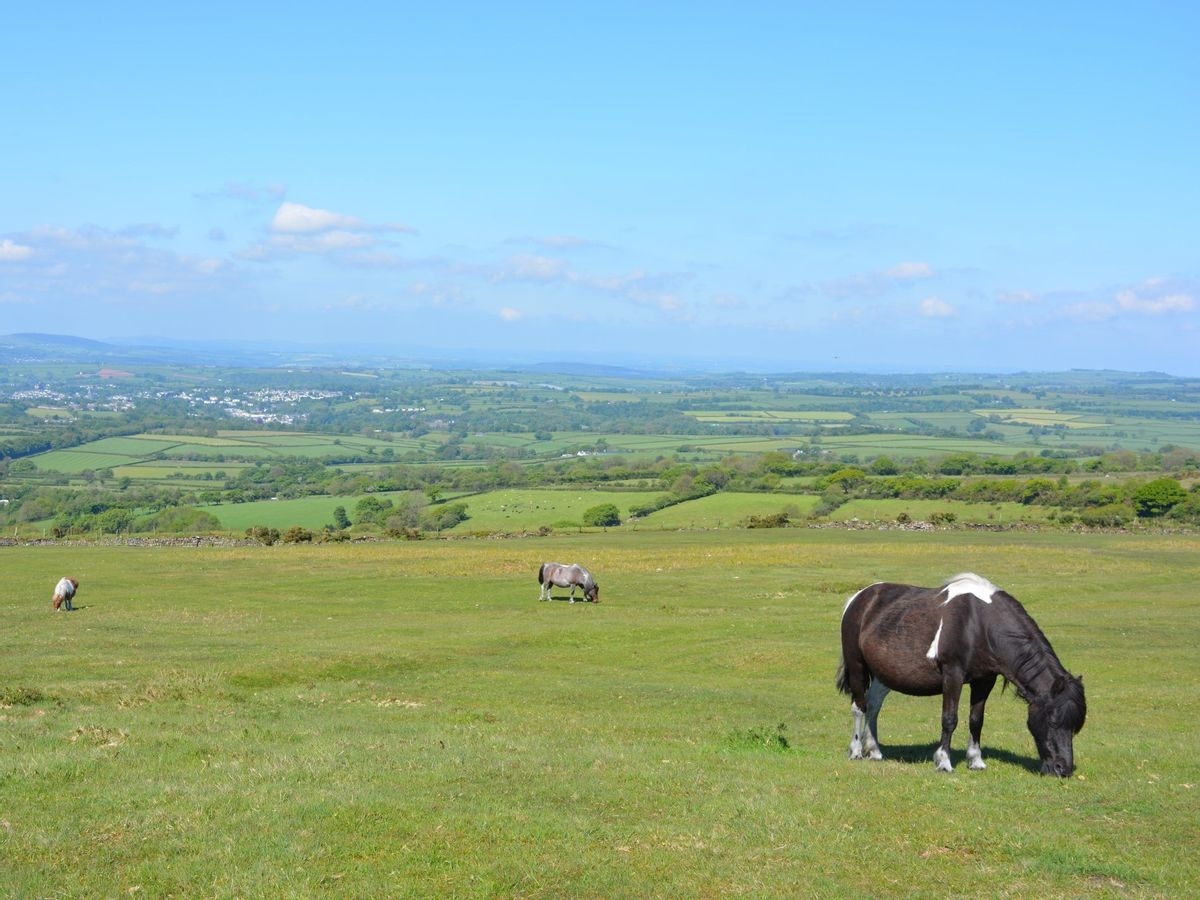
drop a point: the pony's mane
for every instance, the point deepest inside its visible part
(1028, 651)
(970, 583)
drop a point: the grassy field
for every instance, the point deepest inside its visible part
(406, 720)
(529, 509)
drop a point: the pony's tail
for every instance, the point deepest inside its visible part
(542, 574)
(843, 683)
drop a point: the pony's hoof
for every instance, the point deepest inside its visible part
(977, 765)
(941, 761)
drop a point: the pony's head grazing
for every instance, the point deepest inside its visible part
(1054, 720)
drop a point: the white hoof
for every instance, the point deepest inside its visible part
(941, 761)
(975, 757)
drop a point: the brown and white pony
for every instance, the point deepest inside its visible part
(929, 641)
(64, 592)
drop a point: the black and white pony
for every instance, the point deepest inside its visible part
(928, 641)
(554, 574)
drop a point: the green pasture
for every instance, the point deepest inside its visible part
(907, 446)
(405, 719)
(528, 509)
(887, 511)
(1043, 417)
(158, 470)
(131, 452)
(48, 412)
(727, 509)
(313, 513)
(769, 416)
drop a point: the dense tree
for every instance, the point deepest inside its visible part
(605, 515)
(1157, 497)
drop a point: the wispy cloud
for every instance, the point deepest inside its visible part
(1152, 298)
(532, 267)
(1156, 297)
(909, 271)
(873, 284)
(1018, 298)
(299, 230)
(296, 218)
(935, 308)
(247, 193)
(118, 266)
(11, 251)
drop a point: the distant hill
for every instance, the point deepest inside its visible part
(59, 348)
(27, 348)
(43, 342)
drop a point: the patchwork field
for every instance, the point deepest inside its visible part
(405, 719)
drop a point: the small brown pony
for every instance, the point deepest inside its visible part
(64, 592)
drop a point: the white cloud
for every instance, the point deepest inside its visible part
(95, 262)
(1017, 298)
(935, 308)
(296, 218)
(14, 252)
(508, 314)
(872, 284)
(527, 267)
(437, 294)
(909, 271)
(1156, 297)
(1089, 311)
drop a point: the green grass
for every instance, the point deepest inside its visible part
(313, 513)
(528, 509)
(156, 452)
(887, 511)
(406, 719)
(728, 509)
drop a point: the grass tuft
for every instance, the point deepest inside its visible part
(761, 738)
(20, 696)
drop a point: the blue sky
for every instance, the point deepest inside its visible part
(868, 187)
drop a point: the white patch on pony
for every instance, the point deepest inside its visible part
(856, 746)
(969, 583)
(941, 761)
(975, 756)
(932, 652)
